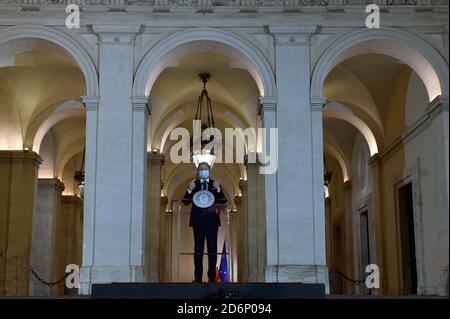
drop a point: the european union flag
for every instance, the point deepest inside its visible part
(223, 270)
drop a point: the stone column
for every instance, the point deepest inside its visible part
(168, 247)
(320, 258)
(269, 194)
(66, 239)
(72, 210)
(296, 248)
(438, 273)
(114, 167)
(91, 105)
(162, 239)
(349, 240)
(153, 219)
(141, 112)
(237, 224)
(78, 258)
(255, 224)
(233, 243)
(48, 201)
(242, 233)
(251, 230)
(261, 222)
(328, 227)
(376, 247)
(18, 182)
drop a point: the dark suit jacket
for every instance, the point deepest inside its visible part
(203, 215)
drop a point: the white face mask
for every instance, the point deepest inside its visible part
(203, 174)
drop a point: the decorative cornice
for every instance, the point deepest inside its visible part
(292, 30)
(207, 6)
(116, 29)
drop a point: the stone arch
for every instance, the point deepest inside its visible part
(339, 111)
(158, 58)
(64, 111)
(67, 175)
(71, 150)
(72, 47)
(47, 168)
(405, 46)
(335, 152)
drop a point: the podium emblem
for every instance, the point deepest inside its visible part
(203, 199)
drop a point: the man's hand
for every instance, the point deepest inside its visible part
(192, 185)
(216, 184)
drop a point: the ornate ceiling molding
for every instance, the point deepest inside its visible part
(247, 5)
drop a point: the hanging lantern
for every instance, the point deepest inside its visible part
(204, 155)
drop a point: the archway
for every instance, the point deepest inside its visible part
(158, 58)
(44, 69)
(240, 75)
(336, 110)
(382, 83)
(61, 40)
(406, 47)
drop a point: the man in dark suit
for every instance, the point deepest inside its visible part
(205, 222)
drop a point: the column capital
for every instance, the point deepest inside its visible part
(347, 186)
(155, 157)
(90, 102)
(51, 182)
(243, 184)
(71, 200)
(116, 34)
(374, 160)
(141, 103)
(267, 104)
(22, 155)
(440, 103)
(292, 35)
(250, 164)
(318, 104)
(164, 200)
(268, 100)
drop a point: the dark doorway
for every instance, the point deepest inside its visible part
(407, 240)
